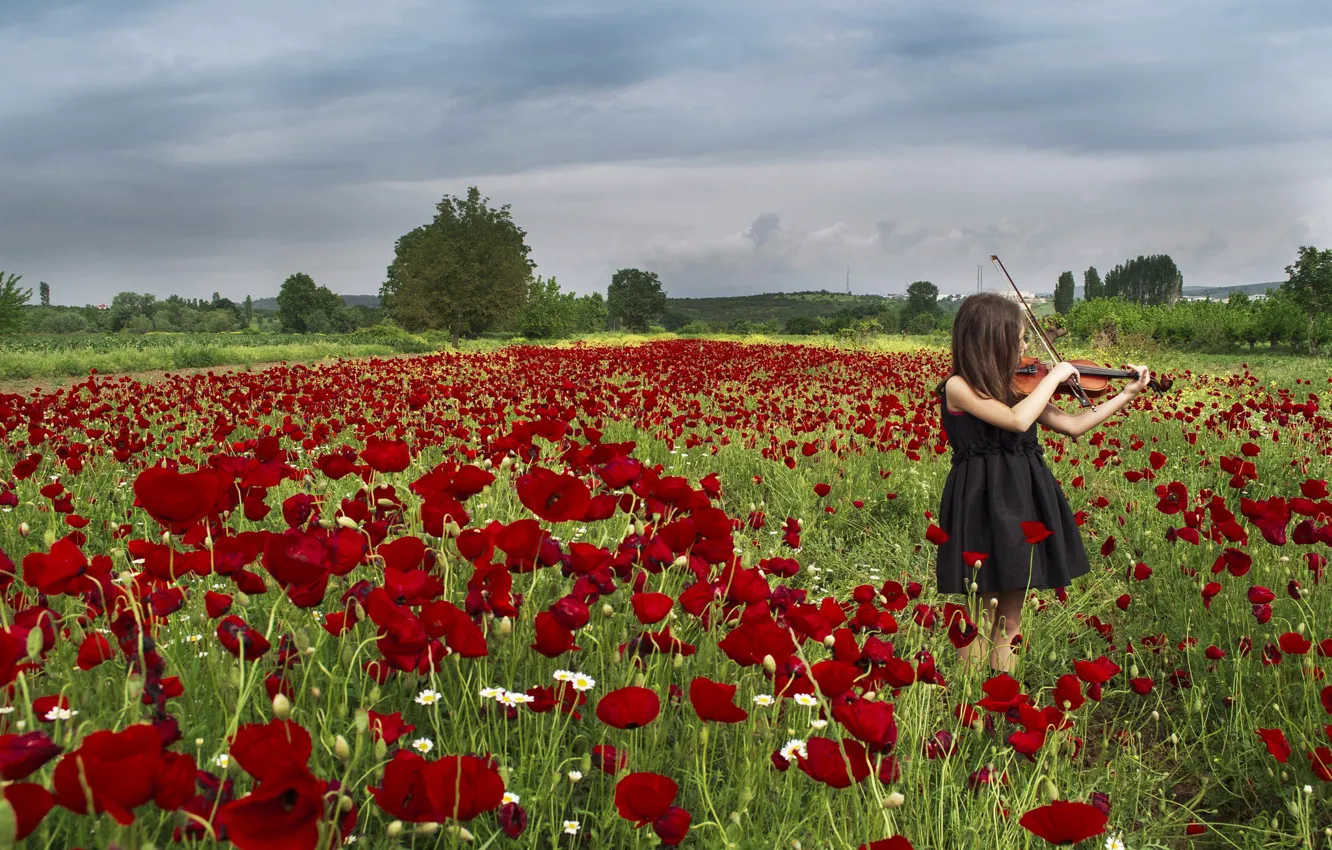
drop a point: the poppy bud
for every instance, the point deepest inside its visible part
(1156, 715)
(325, 523)
(974, 587)
(347, 522)
(394, 829)
(384, 503)
(1051, 790)
(703, 735)
(381, 749)
(1300, 628)
(24, 529)
(640, 681)
(871, 696)
(430, 828)
(454, 829)
(681, 560)
(678, 662)
(241, 599)
(607, 610)
(315, 693)
(345, 803)
(894, 800)
(734, 817)
(506, 462)
(505, 626)
(341, 748)
(451, 529)
(586, 762)
(829, 641)
(770, 664)
(281, 706)
(639, 527)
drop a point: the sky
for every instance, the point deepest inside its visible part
(732, 147)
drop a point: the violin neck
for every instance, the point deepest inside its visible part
(1098, 372)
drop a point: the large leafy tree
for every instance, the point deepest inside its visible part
(12, 300)
(635, 298)
(1310, 285)
(306, 307)
(1063, 294)
(922, 299)
(466, 271)
(1145, 280)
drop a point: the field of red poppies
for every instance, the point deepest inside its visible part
(676, 593)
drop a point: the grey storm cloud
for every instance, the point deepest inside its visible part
(220, 146)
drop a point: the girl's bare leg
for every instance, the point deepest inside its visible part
(1007, 623)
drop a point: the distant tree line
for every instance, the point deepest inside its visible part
(1298, 314)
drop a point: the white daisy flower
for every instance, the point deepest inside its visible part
(223, 761)
(807, 700)
(818, 723)
(575, 775)
(510, 797)
(194, 638)
(582, 682)
(423, 745)
(564, 676)
(1114, 842)
(8, 709)
(571, 827)
(792, 748)
(488, 693)
(762, 699)
(511, 698)
(59, 713)
(428, 697)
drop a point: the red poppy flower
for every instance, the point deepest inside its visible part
(970, 559)
(121, 771)
(1035, 532)
(30, 803)
(644, 797)
(179, 500)
(216, 604)
(651, 608)
(236, 635)
(1275, 741)
(1064, 823)
(827, 763)
(629, 708)
(512, 819)
(715, 701)
(94, 649)
(262, 749)
(389, 727)
(403, 791)
(283, 812)
(462, 787)
(552, 638)
(822, 490)
(386, 455)
(938, 537)
(552, 496)
(22, 755)
(1002, 692)
(897, 842)
(869, 721)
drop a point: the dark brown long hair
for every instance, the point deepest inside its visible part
(987, 335)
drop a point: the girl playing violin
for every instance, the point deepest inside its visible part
(999, 479)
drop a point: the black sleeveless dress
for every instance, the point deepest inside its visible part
(998, 481)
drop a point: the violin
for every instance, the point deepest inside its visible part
(1093, 379)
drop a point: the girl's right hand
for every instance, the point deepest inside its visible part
(1063, 371)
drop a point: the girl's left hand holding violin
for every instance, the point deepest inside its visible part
(1144, 378)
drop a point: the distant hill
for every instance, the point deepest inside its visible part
(371, 301)
(772, 306)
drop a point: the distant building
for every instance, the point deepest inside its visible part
(1027, 295)
(103, 306)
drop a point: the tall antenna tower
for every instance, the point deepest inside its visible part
(979, 276)
(848, 280)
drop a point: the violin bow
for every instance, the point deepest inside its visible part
(1081, 394)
